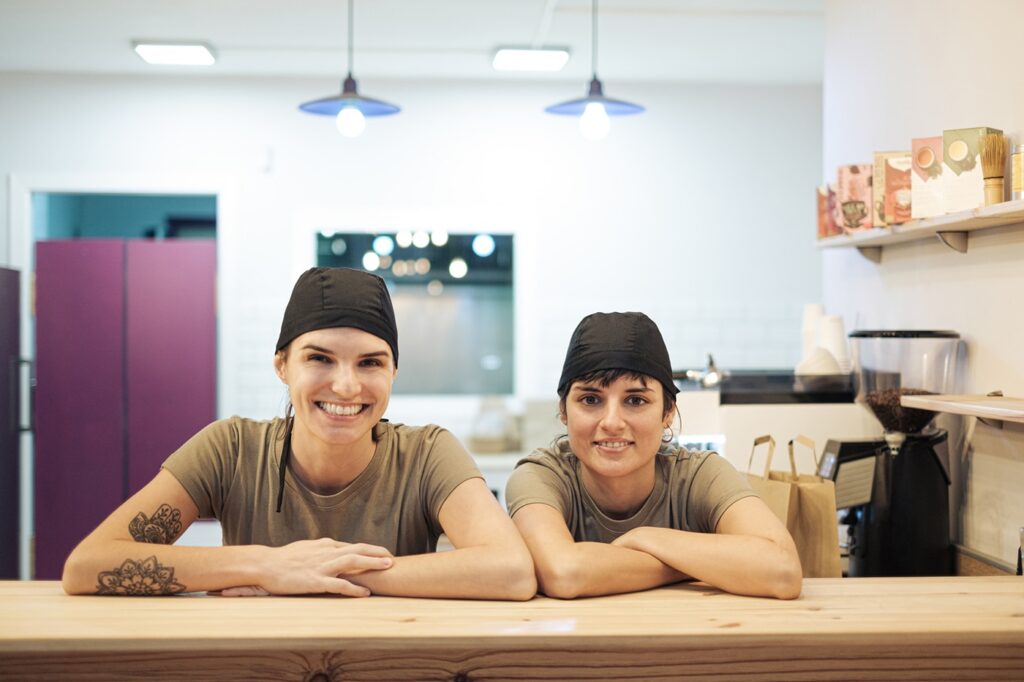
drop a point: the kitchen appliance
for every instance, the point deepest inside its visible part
(895, 490)
(895, 507)
(890, 364)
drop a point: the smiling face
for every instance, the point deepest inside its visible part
(339, 381)
(615, 429)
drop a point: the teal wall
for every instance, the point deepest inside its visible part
(71, 216)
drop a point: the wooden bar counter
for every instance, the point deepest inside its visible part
(853, 629)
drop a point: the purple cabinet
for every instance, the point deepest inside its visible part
(125, 343)
(171, 352)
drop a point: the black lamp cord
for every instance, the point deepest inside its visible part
(593, 39)
(351, 33)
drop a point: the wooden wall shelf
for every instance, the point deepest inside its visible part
(952, 229)
(985, 407)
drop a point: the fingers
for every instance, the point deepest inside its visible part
(332, 586)
(367, 550)
(344, 588)
(353, 564)
(245, 591)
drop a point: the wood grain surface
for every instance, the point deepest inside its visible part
(962, 628)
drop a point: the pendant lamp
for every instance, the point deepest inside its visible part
(595, 108)
(350, 109)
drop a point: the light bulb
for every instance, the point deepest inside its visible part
(458, 268)
(371, 261)
(350, 122)
(383, 245)
(421, 239)
(594, 123)
(483, 245)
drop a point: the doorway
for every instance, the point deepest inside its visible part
(144, 209)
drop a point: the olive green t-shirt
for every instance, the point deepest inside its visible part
(230, 469)
(692, 489)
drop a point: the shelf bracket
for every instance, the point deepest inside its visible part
(874, 253)
(954, 240)
(994, 423)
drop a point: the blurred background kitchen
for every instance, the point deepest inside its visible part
(497, 225)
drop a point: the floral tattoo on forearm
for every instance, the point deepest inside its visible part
(145, 577)
(161, 529)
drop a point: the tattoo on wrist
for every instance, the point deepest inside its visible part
(139, 578)
(161, 529)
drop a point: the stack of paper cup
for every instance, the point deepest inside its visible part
(832, 337)
(813, 313)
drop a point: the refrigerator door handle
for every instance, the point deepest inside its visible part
(26, 362)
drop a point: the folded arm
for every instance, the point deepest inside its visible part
(567, 569)
(490, 560)
(749, 553)
(131, 552)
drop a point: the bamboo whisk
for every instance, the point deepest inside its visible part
(993, 160)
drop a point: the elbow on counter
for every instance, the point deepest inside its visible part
(789, 582)
(520, 581)
(560, 582)
(72, 579)
(789, 590)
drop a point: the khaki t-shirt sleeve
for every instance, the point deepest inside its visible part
(205, 465)
(715, 486)
(447, 465)
(534, 482)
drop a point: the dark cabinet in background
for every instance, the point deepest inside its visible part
(126, 372)
(10, 421)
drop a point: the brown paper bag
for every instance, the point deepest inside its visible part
(805, 503)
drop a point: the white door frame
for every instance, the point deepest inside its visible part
(20, 188)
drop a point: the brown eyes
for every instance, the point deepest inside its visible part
(591, 400)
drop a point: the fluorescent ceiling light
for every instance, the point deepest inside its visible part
(180, 54)
(526, 59)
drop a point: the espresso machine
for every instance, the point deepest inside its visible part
(894, 492)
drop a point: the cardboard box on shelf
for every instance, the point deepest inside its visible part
(926, 191)
(962, 181)
(891, 188)
(854, 197)
(827, 226)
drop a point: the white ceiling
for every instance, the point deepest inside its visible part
(753, 41)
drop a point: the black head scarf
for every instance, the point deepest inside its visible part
(324, 298)
(339, 297)
(629, 341)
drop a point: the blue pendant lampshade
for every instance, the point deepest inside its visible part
(613, 107)
(350, 108)
(349, 97)
(595, 108)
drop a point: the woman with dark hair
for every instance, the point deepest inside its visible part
(332, 498)
(616, 507)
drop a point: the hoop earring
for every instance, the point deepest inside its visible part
(668, 435)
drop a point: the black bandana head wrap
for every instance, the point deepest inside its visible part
(324, 298)
(629, 341)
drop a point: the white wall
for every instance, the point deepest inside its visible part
(897, 70)
(697, 212)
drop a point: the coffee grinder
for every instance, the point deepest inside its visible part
(896, 490)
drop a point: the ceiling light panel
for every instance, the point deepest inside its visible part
(526, 59)
(175, 54)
